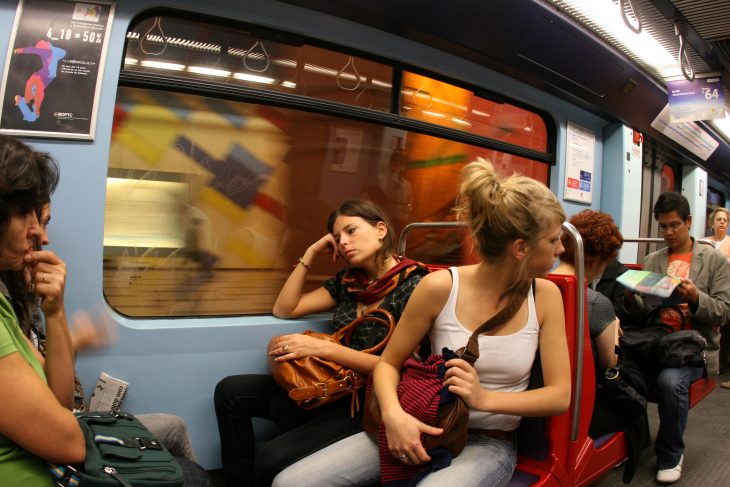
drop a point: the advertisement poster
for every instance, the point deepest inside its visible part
(579, 164)
(701, 99)
(53, 70)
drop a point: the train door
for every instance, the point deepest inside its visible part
(661, 172)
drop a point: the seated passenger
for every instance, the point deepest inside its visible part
(705, 291)
(36, 423)
(516, 225)
(171, 430)
(360, 234)
(601, 241)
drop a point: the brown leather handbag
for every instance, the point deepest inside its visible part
(312, 381)
(452, 416)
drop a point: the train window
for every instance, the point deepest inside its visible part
(213, 193)
(441, 103)
(234, 56)
(668, 179)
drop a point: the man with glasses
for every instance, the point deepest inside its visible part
(705, 292)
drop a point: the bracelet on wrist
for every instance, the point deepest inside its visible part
(306, 266)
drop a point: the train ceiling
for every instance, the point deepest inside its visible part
(551, 57)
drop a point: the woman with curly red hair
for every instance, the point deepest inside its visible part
(601, 241)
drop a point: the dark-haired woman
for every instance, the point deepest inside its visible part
(36, 423)
(360, 233)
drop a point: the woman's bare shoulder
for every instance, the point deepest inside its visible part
(547, 293)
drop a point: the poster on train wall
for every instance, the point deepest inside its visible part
(53, 69)
(579, 164)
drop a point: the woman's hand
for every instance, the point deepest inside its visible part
(403, 432)
(290, 347)
(326, 245)
(48, 279)
(462, 379)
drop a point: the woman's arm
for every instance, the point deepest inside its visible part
(606, 346)
(33, 418)
(291, 303)
(403, 430)
(48, 272)
(554, 397)
(290, 347)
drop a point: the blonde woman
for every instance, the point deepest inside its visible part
(718, 221)
(516, 224)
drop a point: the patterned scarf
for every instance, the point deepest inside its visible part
(356, 280)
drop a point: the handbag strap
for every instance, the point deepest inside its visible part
(517, 296)
(384, 319)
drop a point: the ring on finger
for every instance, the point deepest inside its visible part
(285, 348)
(402, 457)
(43, 277)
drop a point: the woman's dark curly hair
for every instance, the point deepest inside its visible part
(601, 237)
(27, 178)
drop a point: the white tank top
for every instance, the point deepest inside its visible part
(504, 362)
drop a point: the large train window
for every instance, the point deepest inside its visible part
(211, 198)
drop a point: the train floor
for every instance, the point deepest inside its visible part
(707, 443)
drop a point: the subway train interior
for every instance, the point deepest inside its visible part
(222, 133)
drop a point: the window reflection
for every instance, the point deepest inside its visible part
(210, 202)
(222, 54)
(441, 103)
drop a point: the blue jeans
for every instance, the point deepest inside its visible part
(672, 395)
(352, 462)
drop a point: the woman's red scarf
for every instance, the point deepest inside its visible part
(356, 280)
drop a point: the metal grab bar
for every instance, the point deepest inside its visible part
(580, 274)
(411, 226)
(644, 240)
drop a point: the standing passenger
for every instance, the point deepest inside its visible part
(516, 223)
(719, 221)
(360, 233)
(36, 423)
(705, 289)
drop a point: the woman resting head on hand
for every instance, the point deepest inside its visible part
(36, 424)
(359, 233)
(516, 225)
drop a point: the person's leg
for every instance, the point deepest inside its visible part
(484, 462)
(238, 399)
(332, 423)
(672, 396)
(193, 474)
(351, 462)
(172, 431)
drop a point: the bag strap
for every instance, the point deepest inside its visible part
(516, 297)
(385, 319)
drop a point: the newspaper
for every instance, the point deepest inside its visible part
(108, 393)
(646, 282)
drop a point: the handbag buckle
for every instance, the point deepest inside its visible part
(325, 390)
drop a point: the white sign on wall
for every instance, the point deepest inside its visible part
(579, 164)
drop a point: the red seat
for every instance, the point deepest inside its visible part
(551, 457)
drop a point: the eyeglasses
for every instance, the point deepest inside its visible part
(670, 226)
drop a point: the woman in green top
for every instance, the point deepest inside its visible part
(36, 423)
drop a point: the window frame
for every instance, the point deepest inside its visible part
(183, 84)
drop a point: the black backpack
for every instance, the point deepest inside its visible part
(679, 349)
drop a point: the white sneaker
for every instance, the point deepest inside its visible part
(670, 475)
